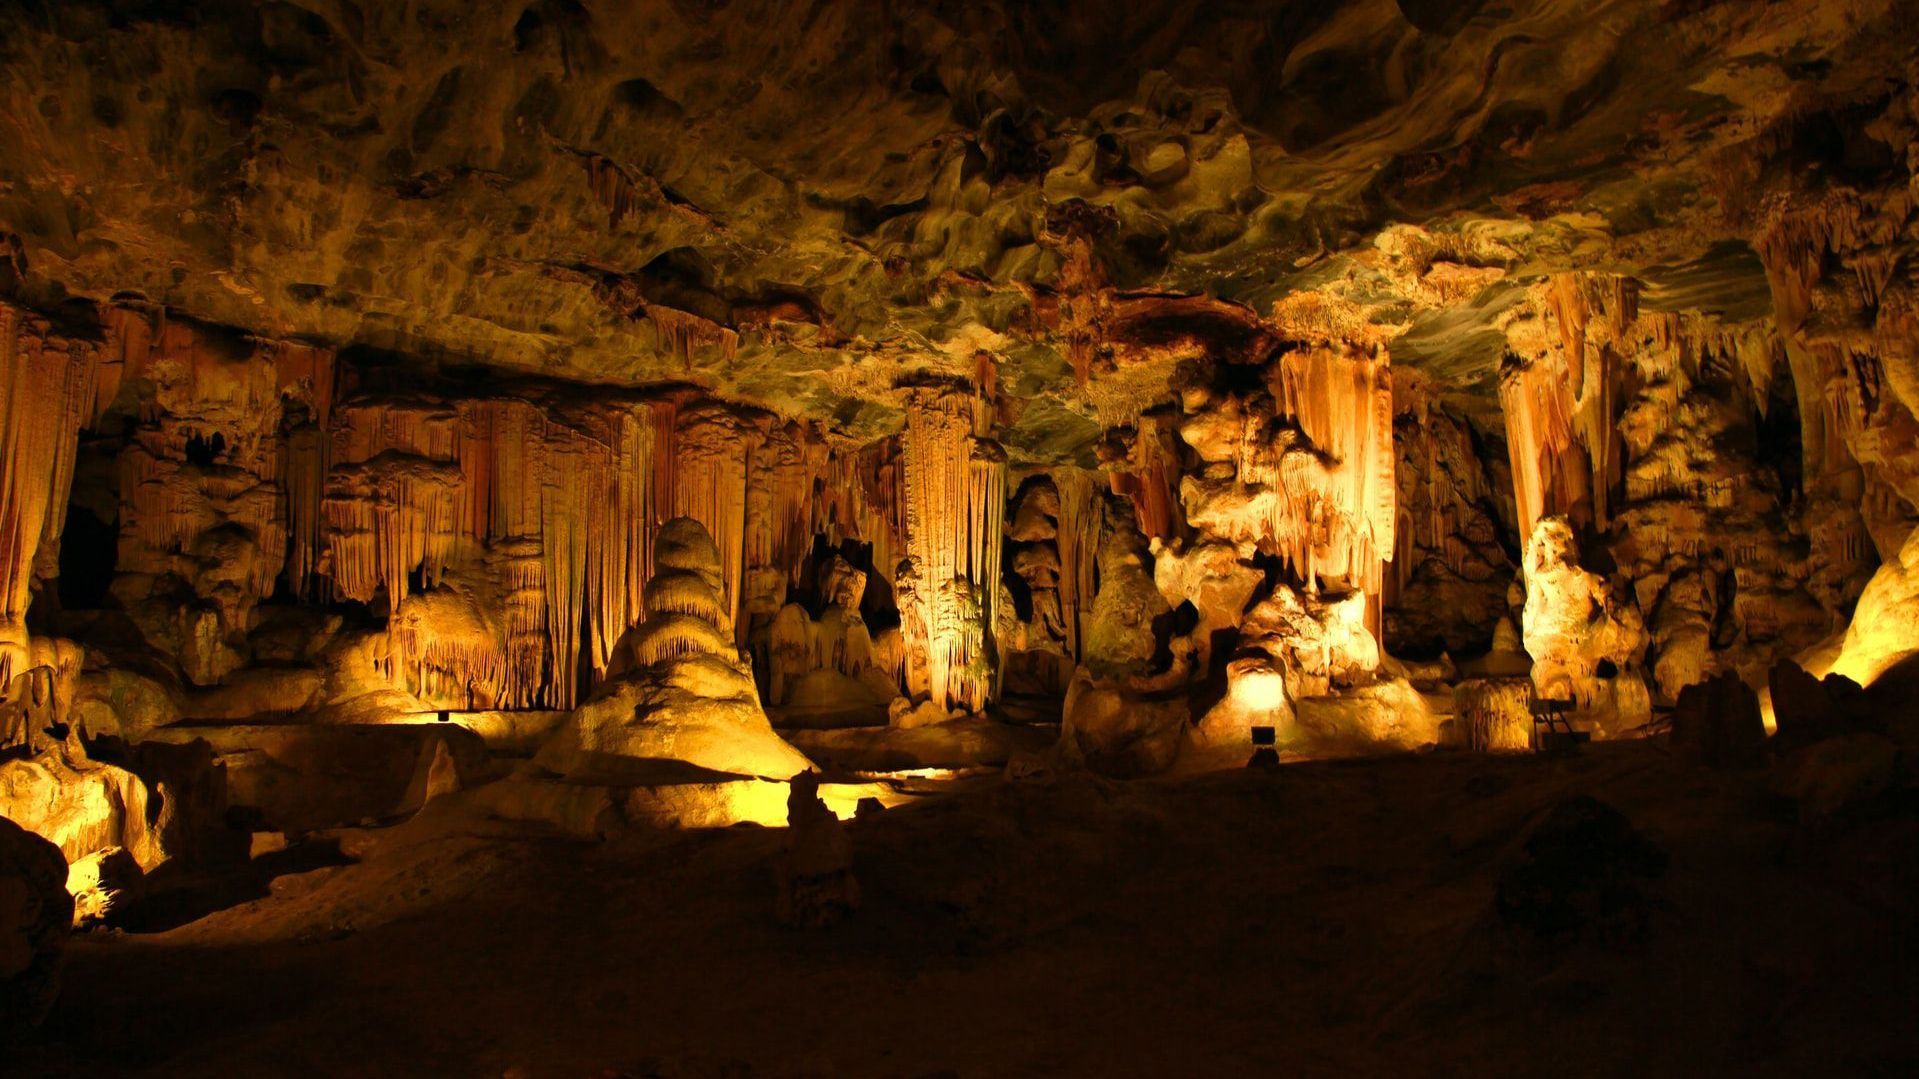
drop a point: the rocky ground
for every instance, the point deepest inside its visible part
(1390, 916)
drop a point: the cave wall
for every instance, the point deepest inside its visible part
(498, 533)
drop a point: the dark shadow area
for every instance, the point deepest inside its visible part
(172, 897)
(89, 550)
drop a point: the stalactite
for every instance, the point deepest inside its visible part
(621, 523)
(955, 499)
(860, 499)
(541, 509)
(713, 444)
(305, 372)
(986, 518)
(1080, 518)
(303, 469)
(1447, 581)
(684, 333)
(47, 392)
(522, 571)
(1563, 403)
(1568, 305)
(130, 332)
(569, 467)
(391, 504)
(546, 506)
(1304, 471)
(1551, 473)
(779, 526)
(1145, 469)
(1085, 301)
(444, 648)
(611, 186)
(1335, 516)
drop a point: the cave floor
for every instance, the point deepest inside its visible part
(1331, 917)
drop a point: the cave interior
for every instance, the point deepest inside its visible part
(756, 537)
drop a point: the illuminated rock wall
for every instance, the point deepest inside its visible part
(1671, 455)
(529, 521)
(508, 537)
(1302, 469)
(1849, 322)
(956, 503)
(1446, 587)
(204, 515)
(48, 386)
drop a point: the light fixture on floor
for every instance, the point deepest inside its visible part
(1265, 755)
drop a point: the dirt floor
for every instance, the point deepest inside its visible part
(1325, 918)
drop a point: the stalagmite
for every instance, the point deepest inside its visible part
(481, 432)
(689, 698)
(1585, 638)
(1495, 714)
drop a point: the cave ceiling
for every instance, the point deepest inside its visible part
(801, 205)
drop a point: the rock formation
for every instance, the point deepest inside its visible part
(1494, 714)
(162, 803)
(1718, 722)
(1446, 587)
(36, 913)
(826, 665)
(817, 887)
(1585, 637)
(1111, 728)
(102, 885)
(687, 696)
